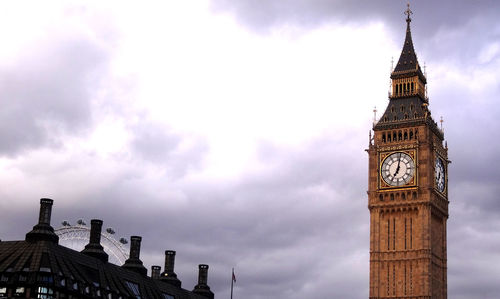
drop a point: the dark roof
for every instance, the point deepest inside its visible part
(403, 109)
(408, 62)
(39, 263)
(409, 111)
(49, 263)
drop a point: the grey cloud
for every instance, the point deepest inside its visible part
(155, 143)
(36, 105)
(437, 27)
(262, 15)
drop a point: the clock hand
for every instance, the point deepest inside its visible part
(399, 162)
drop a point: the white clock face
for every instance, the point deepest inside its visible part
(440, 175)
(397, 169)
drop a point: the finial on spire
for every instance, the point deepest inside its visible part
(408, 13)
(374, 114)
(441, 121)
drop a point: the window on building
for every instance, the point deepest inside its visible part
(134, 288)
(45, 278)
(3, 291)
(45, 293)
(20, 291)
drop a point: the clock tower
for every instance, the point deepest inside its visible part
(408, 190)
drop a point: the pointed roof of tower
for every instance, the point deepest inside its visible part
(408, 109)
(408, 62)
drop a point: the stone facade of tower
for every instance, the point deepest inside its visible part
(408, 190)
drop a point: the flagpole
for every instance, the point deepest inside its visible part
(232, 280)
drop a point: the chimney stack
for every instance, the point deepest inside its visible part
(43, 231)
(155, 272)
(94, 248)
(169, 275)
(134, 263)
(202, 288)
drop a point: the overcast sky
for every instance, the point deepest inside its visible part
(233, 131)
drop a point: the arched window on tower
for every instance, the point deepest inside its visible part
(400, 136)
(383, 138)
(411, 134)
(406, 135)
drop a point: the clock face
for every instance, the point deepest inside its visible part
(397, 169)
(440, 175)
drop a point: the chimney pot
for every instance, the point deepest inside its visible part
(202, 274)
(135, 247)
(43, 231)
(202, 288)
(169, 261)
(169, 275)
(45, 211)
(134, 263)
(155, 272)
(95, 231)
(94, 248)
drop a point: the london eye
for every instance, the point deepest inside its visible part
(78, 235)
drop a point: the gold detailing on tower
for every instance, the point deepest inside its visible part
(407, 87)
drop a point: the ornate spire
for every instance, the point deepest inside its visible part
(407, 77)
(408, 59)
(408, 13)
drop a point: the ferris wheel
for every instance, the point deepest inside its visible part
(77, 236)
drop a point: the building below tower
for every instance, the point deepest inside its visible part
(38, 267)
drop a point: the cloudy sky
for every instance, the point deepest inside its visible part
(233, 131)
